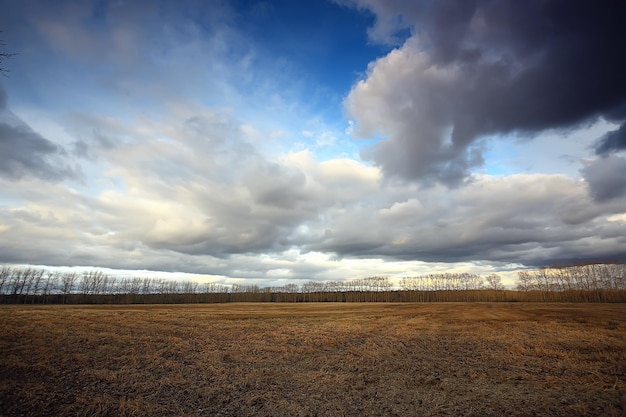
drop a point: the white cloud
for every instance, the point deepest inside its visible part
(406, 99)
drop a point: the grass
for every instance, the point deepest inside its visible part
(436, 359)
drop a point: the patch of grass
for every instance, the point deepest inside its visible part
(452, 359)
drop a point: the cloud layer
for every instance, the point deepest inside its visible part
(202, 193)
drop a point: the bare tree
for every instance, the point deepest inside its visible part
(135, 285)
(36, 284)
(68, 282)
(3, 57)
(525, 281)
(147, 285)
(18, 281)
(494, 281)
(50, 282)
(5, 275)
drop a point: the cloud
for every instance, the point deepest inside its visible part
(472, 69)
(612, 141)
(139, 53)
(195, 184)
(188, 194)
(204, 200)
(3, 99)
(529, 219)
(25, 152)
(606, 178)
(414, 114)
(191, 192)
(187, 142)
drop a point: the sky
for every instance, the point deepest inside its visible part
(273, 142)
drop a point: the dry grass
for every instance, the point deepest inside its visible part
(452, 359)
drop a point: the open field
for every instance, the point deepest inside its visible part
(431, 359)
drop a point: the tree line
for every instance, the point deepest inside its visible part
(587, 283)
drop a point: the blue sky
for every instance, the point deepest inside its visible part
(283, 141)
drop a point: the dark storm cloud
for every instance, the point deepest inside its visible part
(606, 178)
(612, 141)
(487, 67)
(24, 152)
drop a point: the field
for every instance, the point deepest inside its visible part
(314, 359)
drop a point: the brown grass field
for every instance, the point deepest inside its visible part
(315, 359)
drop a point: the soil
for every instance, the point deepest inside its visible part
(314, 359)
